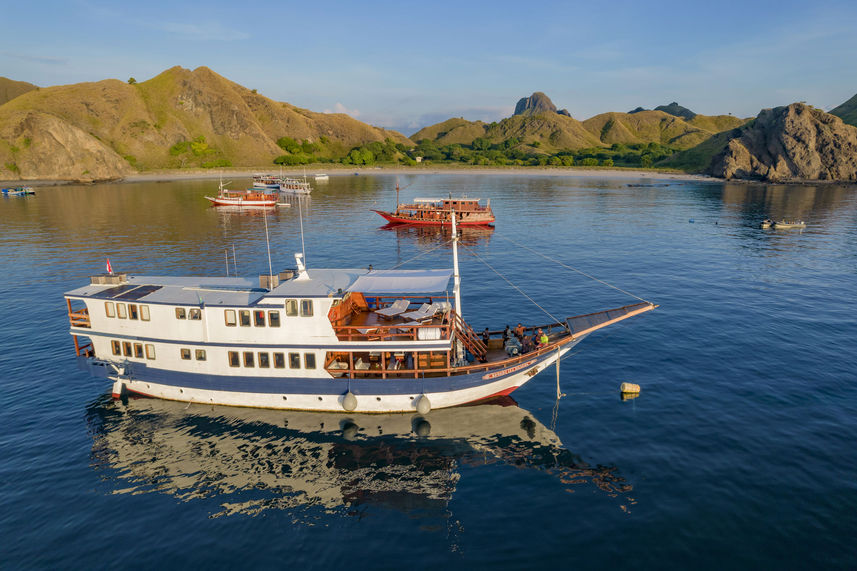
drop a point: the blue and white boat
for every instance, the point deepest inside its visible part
(374, 341)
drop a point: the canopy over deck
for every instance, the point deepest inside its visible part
(402, 281)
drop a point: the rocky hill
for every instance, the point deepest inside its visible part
(795, 142)
(847, 111)
(537, 119)
(180, 118)
(10, 89)
(677, 110)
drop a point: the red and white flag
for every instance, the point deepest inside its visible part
(109, 267)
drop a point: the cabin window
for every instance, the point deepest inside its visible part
(233, 359)
(294, 360)
(200, 354)
(150, 350)
(138, 350)
(279, 361)
(309, 360)
(185, 354)
(229, 316)
(248, 359)
(144, 312)
(259, 318)
(132, 311)
(306, 308)
(273, 319)
(264, 360)
(244, 317)
(180, 313)
(291, 307)
(126, 348)
(109, 309)
(195, 314)
(117, 347)
(120, 311)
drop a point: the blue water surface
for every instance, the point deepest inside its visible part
(739, 452)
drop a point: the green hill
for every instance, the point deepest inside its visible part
(847, 111)
(180, 118)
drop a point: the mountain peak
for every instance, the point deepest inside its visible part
(677, 110)
(536, 103)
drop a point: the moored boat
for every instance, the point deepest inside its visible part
(321, 177)
(319, 339)
(253, 197)
(439, 212)
(19, 191)
(284, 185)
(781, 224)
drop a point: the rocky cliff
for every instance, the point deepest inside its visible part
(796, 142)
(847, 111)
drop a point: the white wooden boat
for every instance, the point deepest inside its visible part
(309, 341)
(253, 198)
(782, 224)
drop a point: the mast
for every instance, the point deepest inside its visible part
(456, 278)
(456, 288)
(397, 195)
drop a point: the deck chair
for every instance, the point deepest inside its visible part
(399, 306)
(426, 311)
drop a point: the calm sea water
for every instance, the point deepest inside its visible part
(739, 452)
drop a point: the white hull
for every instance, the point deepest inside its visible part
(370, 403)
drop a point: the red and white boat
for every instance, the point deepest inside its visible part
(439, 211)
(252, 197)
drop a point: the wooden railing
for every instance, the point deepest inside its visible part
(399, 332)
(468, 337)
(350, 370)
(78, 318)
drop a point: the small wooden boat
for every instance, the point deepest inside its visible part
(19, 191)
(766, 223)
(439, 211)
(282, 184)
(321, 177)
(246, 198)
(781, 224)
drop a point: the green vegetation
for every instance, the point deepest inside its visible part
(12, 167)
(131, 81)
(511, 152)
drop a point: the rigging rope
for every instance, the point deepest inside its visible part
(549, 314)
(421, 254)
(581, 272)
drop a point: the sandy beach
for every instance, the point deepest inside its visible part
(340, 170)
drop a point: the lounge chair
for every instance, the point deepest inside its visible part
(425, 312)
(399, 306)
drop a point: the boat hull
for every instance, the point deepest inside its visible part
(394, 219)
(240, 202)
(314, 394)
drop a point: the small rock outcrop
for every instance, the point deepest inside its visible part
(677, 110)
(537, 103)
(637, 110)
(796, 142)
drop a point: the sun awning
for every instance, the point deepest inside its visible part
(402, 281)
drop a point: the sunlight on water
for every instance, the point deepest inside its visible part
(739, 448)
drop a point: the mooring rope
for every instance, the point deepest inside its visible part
(581, 272)
(421, 254)
(548, 313)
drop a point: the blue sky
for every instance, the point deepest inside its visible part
(408, 64)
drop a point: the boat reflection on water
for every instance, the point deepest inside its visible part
(431, 236)
(252, 460)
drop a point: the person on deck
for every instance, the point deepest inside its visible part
(519, 331)
(543, 338)
(527, 344)
(507, 333)
(486, 336)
